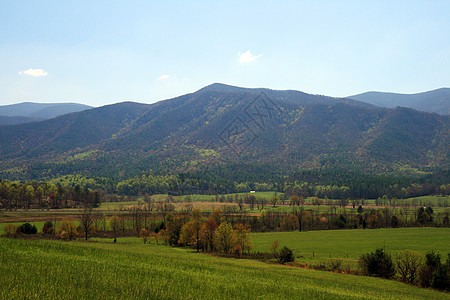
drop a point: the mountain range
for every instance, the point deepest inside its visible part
(437, 101)
(26, 112)
(284, 131)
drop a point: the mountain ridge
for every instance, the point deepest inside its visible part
(437, 101)
(9, 120)
(32, 111)
(219, 124)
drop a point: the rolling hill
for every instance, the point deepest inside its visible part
(29, 112)
(220, 124)
(437, 101)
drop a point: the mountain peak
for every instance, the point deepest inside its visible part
(222, 87)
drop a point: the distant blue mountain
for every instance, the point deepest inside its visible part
(437, 101)
(29, 111)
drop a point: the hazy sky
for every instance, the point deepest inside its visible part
(101, 52)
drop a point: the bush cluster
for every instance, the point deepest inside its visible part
(331, 265)
(426, 271)
(284, 255)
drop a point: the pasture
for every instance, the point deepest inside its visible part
(67, 270)
(349, 245)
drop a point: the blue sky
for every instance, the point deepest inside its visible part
(102, 52)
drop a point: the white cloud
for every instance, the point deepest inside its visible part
(247, 56)
(33, 72)
(164, 77)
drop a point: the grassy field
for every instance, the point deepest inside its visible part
(429, 200)
(117, 205)
(262, 195)
(73, 270)
(38, 225)
(350, 244)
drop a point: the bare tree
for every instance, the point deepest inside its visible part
(114, 223)
(87, 218)
(408, 265)
(137, 216)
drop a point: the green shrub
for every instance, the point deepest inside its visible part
(434, 273)
(48, 228)
(432, 262)
(341, 222)
(441, 278)
(331, 265)
(334, 264)
(285, 255)
(27, 228)
(377, 263)
(394, 222)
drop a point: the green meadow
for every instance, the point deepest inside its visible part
(80, 270)
(349, 245)
(38, 225)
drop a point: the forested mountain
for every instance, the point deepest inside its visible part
(7, 120)
(29, 111)
(437, 101)
(69, 132)
(251, 130)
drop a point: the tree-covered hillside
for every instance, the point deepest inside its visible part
(223, 125)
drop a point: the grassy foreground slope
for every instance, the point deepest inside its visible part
(349, 245)
(54, 269)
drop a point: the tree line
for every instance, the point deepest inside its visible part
(321, 183)
(357, 186)
(45, 195)
(161, 223)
